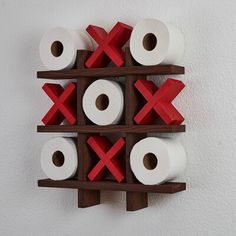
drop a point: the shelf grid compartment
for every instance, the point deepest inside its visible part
(89, 192)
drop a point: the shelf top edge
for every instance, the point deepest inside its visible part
(112, 128)
(111, 72)
(168, 187)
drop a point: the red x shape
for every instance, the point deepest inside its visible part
(109, 45)
(159, 100)
(64, 104)
(108, 158)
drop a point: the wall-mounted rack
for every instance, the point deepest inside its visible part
(89, 192)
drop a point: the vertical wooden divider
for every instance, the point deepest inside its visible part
(86, 198)
(134, 200)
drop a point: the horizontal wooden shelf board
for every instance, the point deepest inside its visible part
(169, 187)
(112, 72)
(112, 128)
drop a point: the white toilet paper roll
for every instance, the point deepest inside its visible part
(103, 102)
(157, 160)
(58, 47)
(59, 158)
(153, 42)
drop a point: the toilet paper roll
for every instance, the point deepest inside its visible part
(103, 102)
(59, 158)
(157, 160)
(58, 47)
(153, 42)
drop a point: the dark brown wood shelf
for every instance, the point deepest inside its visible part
(168, 187)
(112, 72)
(112, 128)
(89, 192)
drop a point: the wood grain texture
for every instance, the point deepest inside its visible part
(112, 128)
(86, 198)
(136, 200)
(169, 187)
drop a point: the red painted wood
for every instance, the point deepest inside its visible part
(108, 155)
(64, 104)
(159, 100)
(109, 45)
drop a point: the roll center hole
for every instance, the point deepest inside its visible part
(149, 41)
(150, 161)
(58, 158)
(102, 102)
(57, 48)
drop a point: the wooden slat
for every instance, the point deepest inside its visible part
(112, 128)
(134, 200)
(112, 72)
(169, 187)
(86, 198)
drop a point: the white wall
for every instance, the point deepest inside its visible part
(207, 207)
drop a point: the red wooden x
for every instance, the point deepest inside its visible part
(159, 100)
(109, 45)
(64, 104)
(108, 158)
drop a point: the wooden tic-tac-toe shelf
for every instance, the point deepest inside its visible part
(89, 192)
